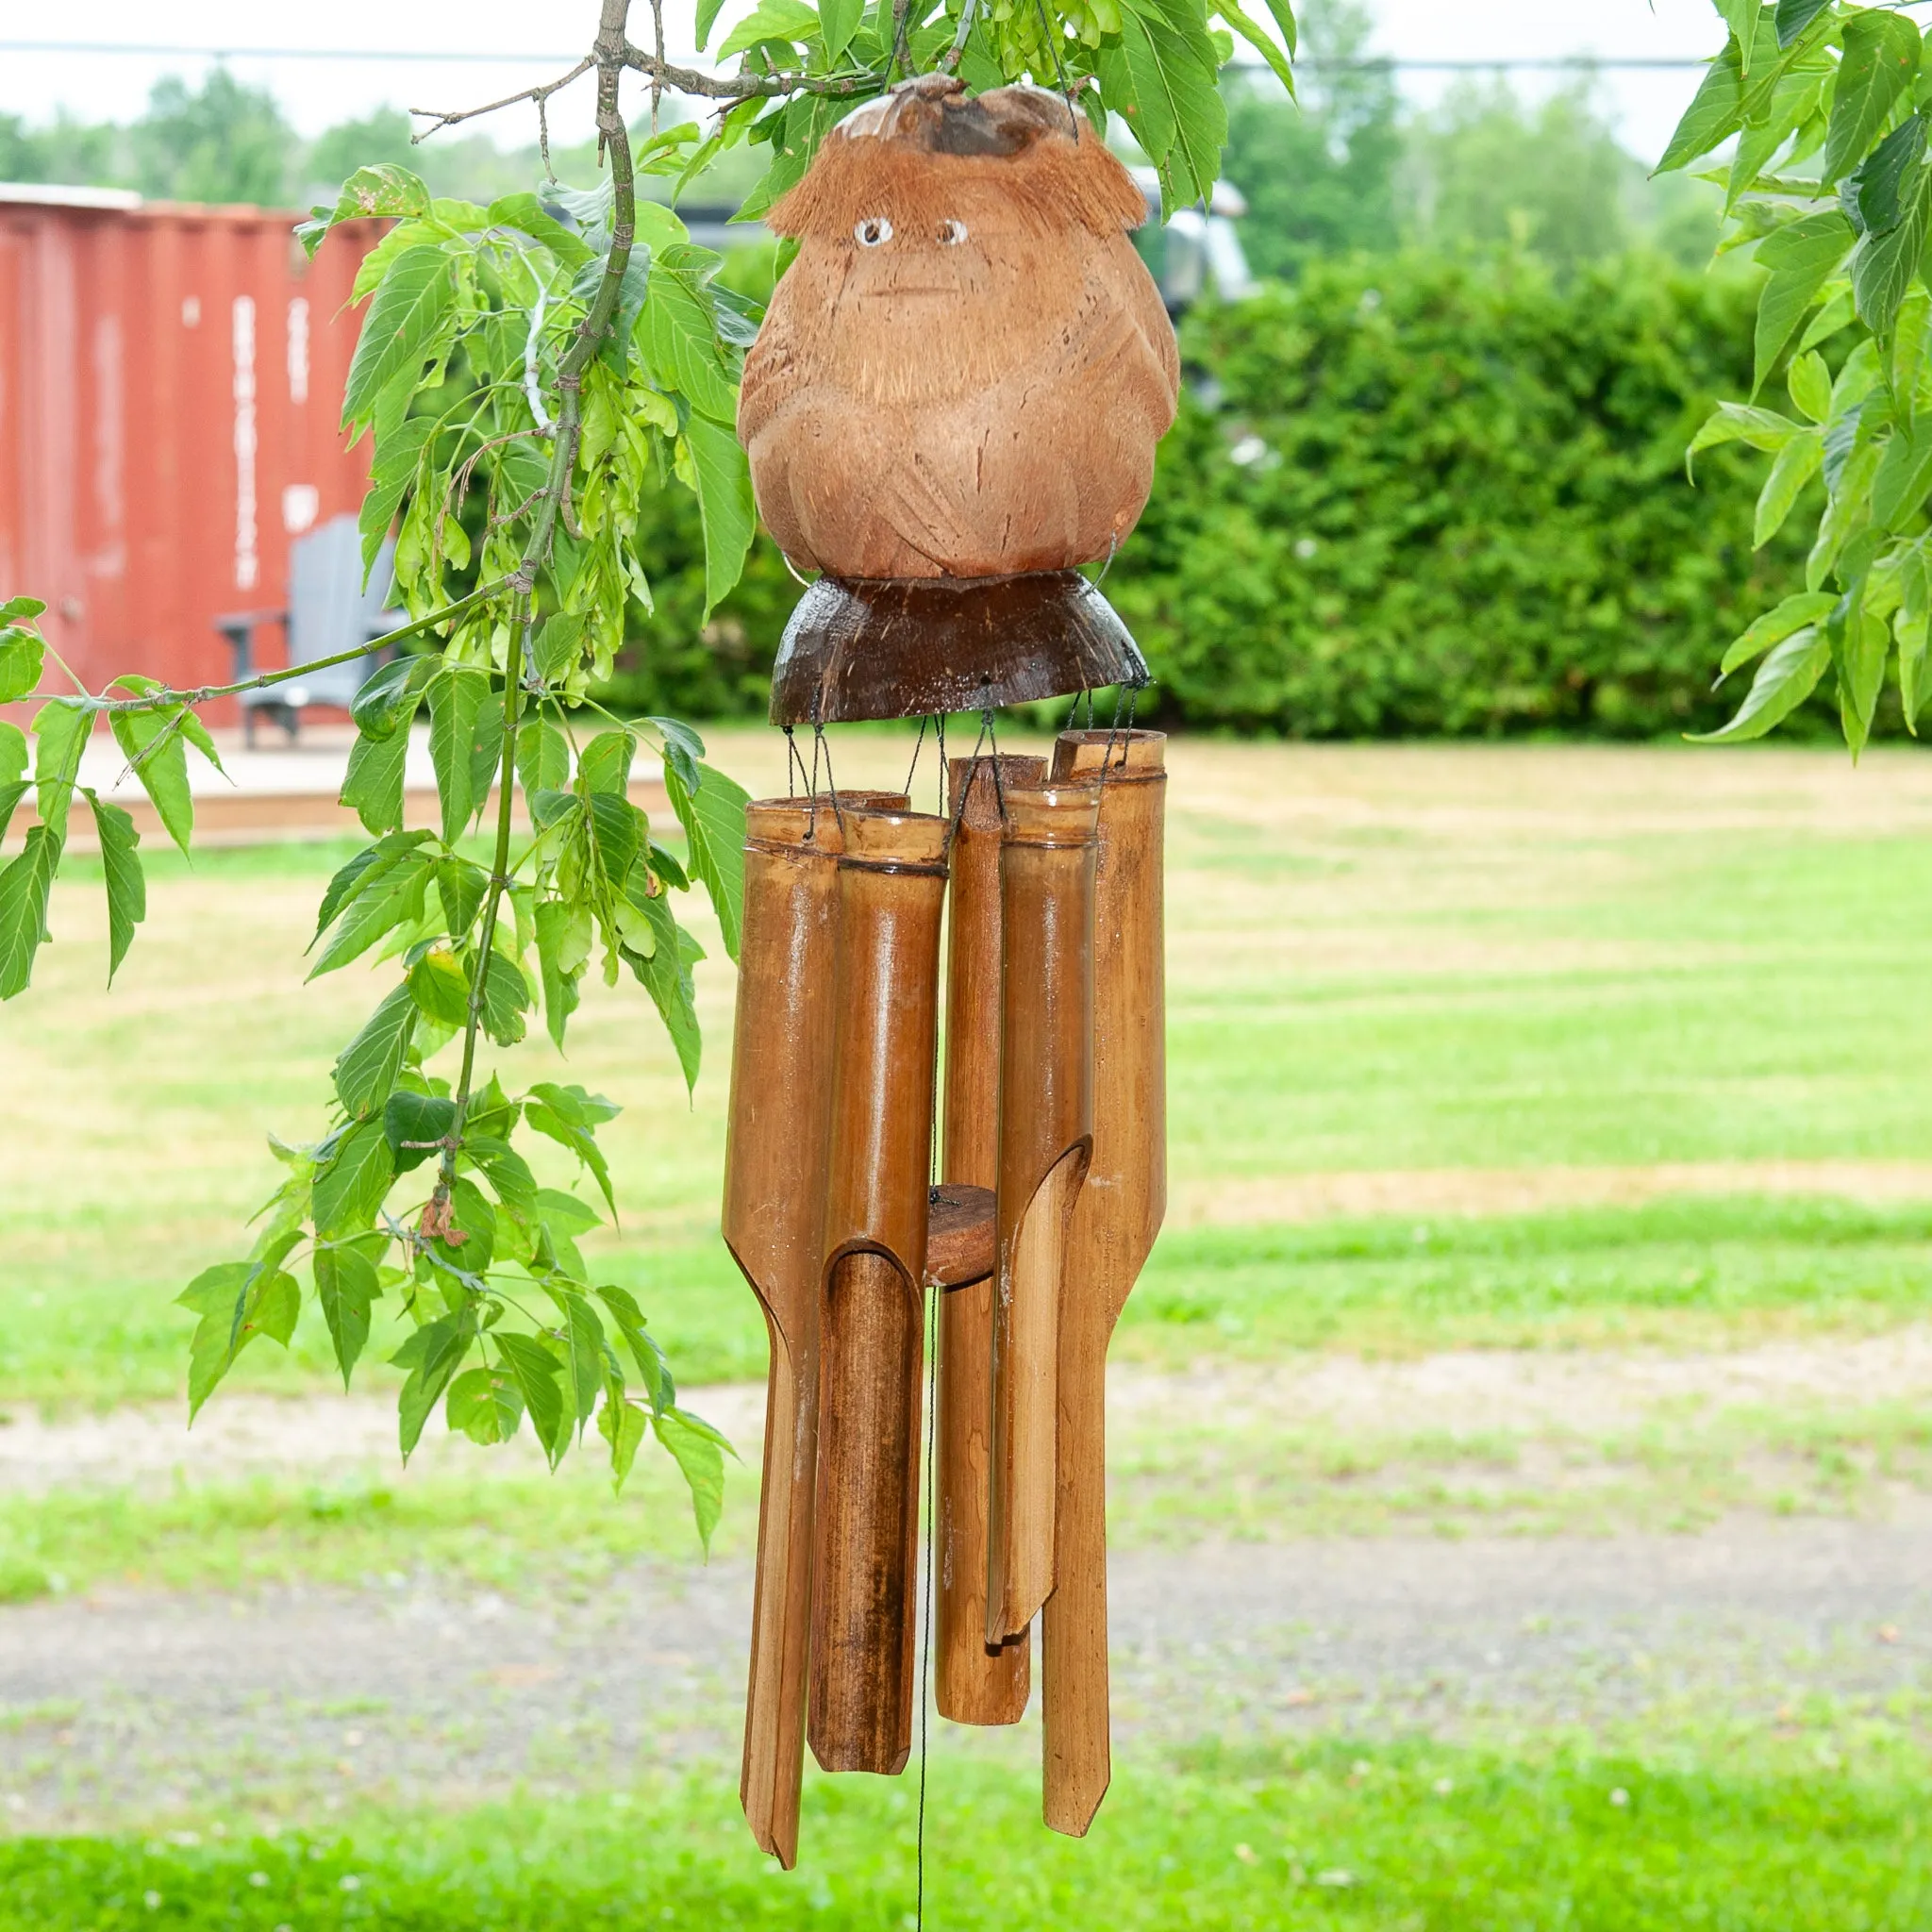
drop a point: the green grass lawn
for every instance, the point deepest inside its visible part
(1540, 986)
(1425, 1837)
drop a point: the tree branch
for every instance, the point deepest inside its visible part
(438, 120)
(614, 138)
(745, 87)
(166, 698)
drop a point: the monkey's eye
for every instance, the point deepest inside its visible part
(952, 234)
(873, 230)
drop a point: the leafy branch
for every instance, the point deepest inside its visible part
(527, 374)
(1829, 107)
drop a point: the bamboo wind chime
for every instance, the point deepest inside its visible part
(952, 405)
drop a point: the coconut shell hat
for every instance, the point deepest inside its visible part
(954, 402)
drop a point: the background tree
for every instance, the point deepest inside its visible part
(1319, 177)
(221, 141)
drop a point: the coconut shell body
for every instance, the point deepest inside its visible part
(965, 371)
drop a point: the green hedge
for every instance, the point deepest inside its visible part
(1404, 495)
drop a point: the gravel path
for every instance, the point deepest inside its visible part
(139, 1705)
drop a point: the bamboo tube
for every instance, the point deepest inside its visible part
(774, 1224)
(892, 889)
(1114, 1223)
(976, 1683)
(1045, 1136)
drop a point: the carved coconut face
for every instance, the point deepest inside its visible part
(949, 241)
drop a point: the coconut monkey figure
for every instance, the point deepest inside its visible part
(960, 383)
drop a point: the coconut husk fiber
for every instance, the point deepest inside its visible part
(966, 369)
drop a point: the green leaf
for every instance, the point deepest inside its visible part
(623, 1427)
(387, 701)
(1715, 113)
(401, 329)
(1861, 644)
(725, 505)
(1904, 476)
(557, 646)
(1774, 626)
(457, 703)
(384, 190)
(14, 758)
(699, 1451)
(771, 20)
(1259, 39)
(505, 999)
(60, 728)
(1762, 429)
(351, 1186)
(1795, 16)
(395, 898)
(1165, 70)
(1882, 182)
(1797, 463)
(367, 869)
(11, 795)
(557, 1112)
(236, 1301)
(347, 1285)
(415, 1125)
(837, 21)
(365, 1073)
(584, 1352)
(605, 763)
(680, 332)
(1881, 57)
(539, 1379)
(1786, 678)
(440, 987)
(462, 887)
(24, 884)
(153, 745)
(643, 1345)
(713, 822)
(120, 867)
(1810, 382)
(1801, 257)
(373, 786)
(666, 977)
(485, 1405)
(432, 1355)
(525, 214)
(564, 935)
(707, 20)
(1884, 265)
(542, 756)
(21, 657)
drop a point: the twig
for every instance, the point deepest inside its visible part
(745, 87)
(949, 60)
(167, 697)
(438, 120)
(657, 78)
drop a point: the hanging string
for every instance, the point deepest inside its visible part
(1053, 42)
(795, 763)
(939, 721)
(913, 771)
(821, 743)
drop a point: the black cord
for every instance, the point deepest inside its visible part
(913, 771)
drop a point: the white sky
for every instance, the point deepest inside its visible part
(315, 93)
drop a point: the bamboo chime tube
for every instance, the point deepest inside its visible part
(774, 1193)
(1045, 1135)
(892, 889)
(1114, 1223)
(975, 1683)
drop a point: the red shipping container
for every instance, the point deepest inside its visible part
(170, 383)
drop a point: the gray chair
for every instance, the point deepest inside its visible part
(330, 612)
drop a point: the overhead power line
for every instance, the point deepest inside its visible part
(1314, 65)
